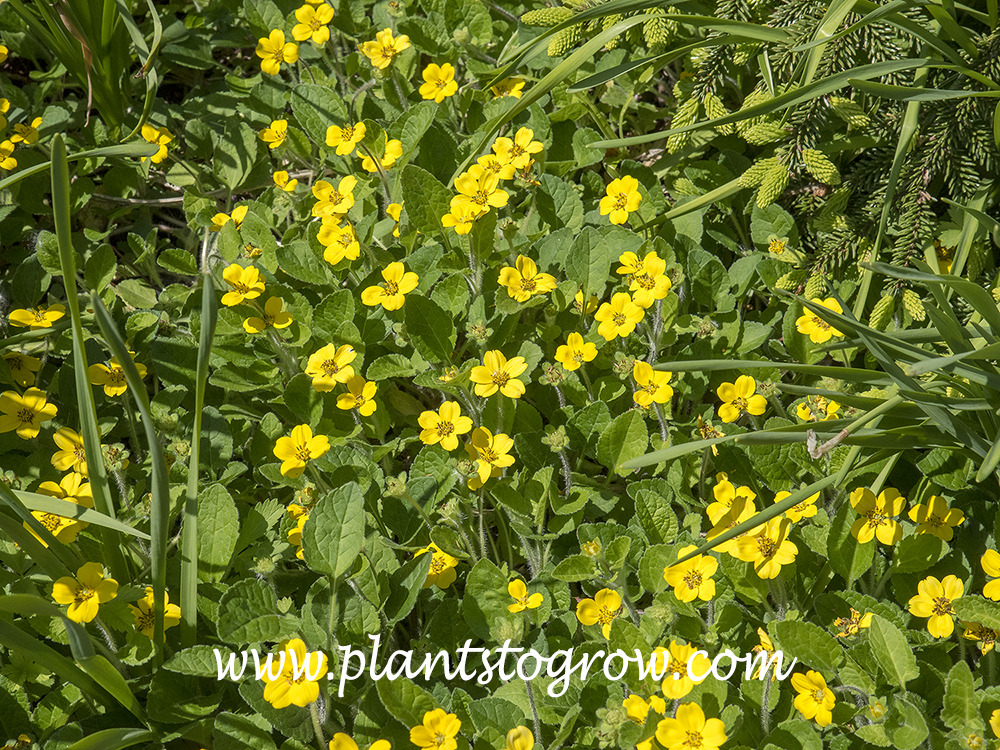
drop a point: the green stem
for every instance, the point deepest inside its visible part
(317, 726)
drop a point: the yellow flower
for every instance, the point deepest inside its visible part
(995, 722)
(85, 593)
(273, 51)
(692, 579)
(936, 518)
(295, 534)
(26, 133)
(638, 709)
(743, 510)
(7, 160)
(334, 201)
(517, 152)
(312, 24)
(274, 316)
(330, 366)
(508, 87)
(817, 409)
(492, 164)
(619, 317)
(708, 432)
(575, 352)
(740, 397)
(814, 700)
(852, 625)
(520, 738)
(73, 489)
(393, 150)
(987, 637)
(439, 82)
(449, 374)
(4, 52)
(339, 240)
(768, 549)
(71, 454)
(725, 493)
(478, 188)
(36, 317)
(622, 199)
(294, 451)
(384, 49)
(591, 548)
(677, 683)
(765, 645)
(438, 731)
(395, 210)
(934, 600)
(360, 396)
(143, 613)
(275, 133)
(522, 600)
(444, 426)
(818, 330)
(442, 571)
(591, 303)
(22, 367)
(877, 515)
(490, 452)
(805, 509)
(345, 138)
(390, 294)
(945, 257)
(25, 413)
(282, 182)
(524, 280)
(497, 373)
(246, 284)
(112, 376)
(158, 136)
(647, 278)
(603, 609)
(462, 216)
(220, 219)
(651, 384)
(991, 566)
(341, 741)
(690, 730)
(298, 682)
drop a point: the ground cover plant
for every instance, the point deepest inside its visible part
(652, 326)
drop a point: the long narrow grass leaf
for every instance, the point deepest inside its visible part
(47, 504)
(113, 739)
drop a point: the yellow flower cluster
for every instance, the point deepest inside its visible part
(877, 516)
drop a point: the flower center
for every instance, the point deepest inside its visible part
(777, 247)
(349, 133)
(740, 403)
(437, 565)
(500, 379)
(79, 453)
(315, 24)
(876, 519)
(693, 740)
(820, 323)
(145, 621)
(528, 285)
(26, 415)
(646, 281)
(620, 202)
(934, 521)
(84, 593)
(488, 455)
(440, 738)
(117, 375)
(302, 452)
(39, 315)
(14, 362)
(445, 428)
(767, 547)
(692, 579)
(819, 696)
(329, 368)
(279, 55)
(941, 606)
(619, 319)
(391, 289)
(605, 616)
(482, 198)
(389, 51)
(51, 521)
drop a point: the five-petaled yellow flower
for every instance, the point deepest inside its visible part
(345, 138)
(493, 165)
(71, 453)
(651, 385)
(490, 452)
(246, 284)
(28, 134)
(508, 87)
(298, 680)
(397, 282)
(275, 316)
(282, 182)
(273, 50)
(725, 493)
(817, 409)
(275, 133)
(991, 566)
(497, 373)
(384, 49)
(690, 730)
(294, 451)
(22, 367)
(312, 24)
(444, 425)
(36, 317)
(7, 160)
(818, 330)
(602, 609)
(852, 625)
(360, 395)
(647, 278)
(986, 637)
(622, 199)
(462, 216)
(439, 82)
(517, 151)
(143, 613)
(815, 700)
(934, 600)
(575, 352)
(692, 579)
(677, 683)
(478, 188)
(112, 376)
(158, 136)
(592, 303)
(805, 509)
(442, 571)
(740, 397)
(331, 365)
(437, 732)
(331, 201)
(936, 518)
(85, 593)
(392, 151)
(743, 510)
(342, 741)
(520, 738)
(24, 414)
(877, 515)
(524, 280)
(767, 548)
(237, 216)
(73, 489)
(619, 317)
(522, 600)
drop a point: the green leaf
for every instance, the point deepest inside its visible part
(656, 517)
(917, 553)
(391, 366)
(977, 609)
(847, 556)
(498, 713)
(626, 438)
(656, 559)
(961, 705)
(906, 725)
(575, 568)
(430, 328)
(592, 253)
(218, 529)
(333, 536)
(892, 651)
(197, 661)
(425, 198)
(101, 267)
(405, 585)
(234, 732)
(316, 108)
(248, 614)
(405, 701)
(809, 643)
(485, 599)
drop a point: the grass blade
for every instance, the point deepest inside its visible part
(113, 739)
(141, 148)
(46, 504)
